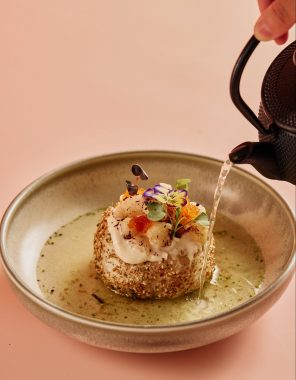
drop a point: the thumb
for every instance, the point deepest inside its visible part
(275, 20)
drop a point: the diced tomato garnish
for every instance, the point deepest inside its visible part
(140, 223)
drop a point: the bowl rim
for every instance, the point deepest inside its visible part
(114, 326)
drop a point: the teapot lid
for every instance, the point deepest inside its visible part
(278, 90)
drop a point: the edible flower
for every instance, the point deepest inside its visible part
(189, 213)
(164, 193)
(164, 203)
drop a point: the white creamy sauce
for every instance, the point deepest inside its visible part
(141, 249)
(67, 278)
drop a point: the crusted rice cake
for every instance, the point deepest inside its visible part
(151, 243)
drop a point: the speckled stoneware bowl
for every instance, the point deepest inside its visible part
(63, 194)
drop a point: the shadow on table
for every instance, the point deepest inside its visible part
(203, 360)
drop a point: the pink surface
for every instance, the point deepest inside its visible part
(84, 78)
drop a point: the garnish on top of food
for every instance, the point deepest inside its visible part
(150, 244)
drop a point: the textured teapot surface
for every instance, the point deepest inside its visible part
(278, 111)
(278, 91)
(275, 155)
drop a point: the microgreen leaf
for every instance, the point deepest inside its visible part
(203, 219)
(131, 188)
(138, 171)
(182, 184)
(177, 221)
(156, 211)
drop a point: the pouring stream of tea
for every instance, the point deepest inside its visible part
(217, 196)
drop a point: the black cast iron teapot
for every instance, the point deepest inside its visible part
(274, 155)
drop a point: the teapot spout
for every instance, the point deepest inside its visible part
(260, 155)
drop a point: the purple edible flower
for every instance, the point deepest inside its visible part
(164, 193)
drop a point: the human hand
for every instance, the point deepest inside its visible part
(277, 17)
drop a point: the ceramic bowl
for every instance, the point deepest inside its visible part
(60, 196)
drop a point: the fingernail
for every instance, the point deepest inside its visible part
(262, 30)
(282, 39)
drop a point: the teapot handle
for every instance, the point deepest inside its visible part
(235, 85)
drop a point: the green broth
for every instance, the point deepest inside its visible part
(67, 278)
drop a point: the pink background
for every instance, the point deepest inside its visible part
(84, 78)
